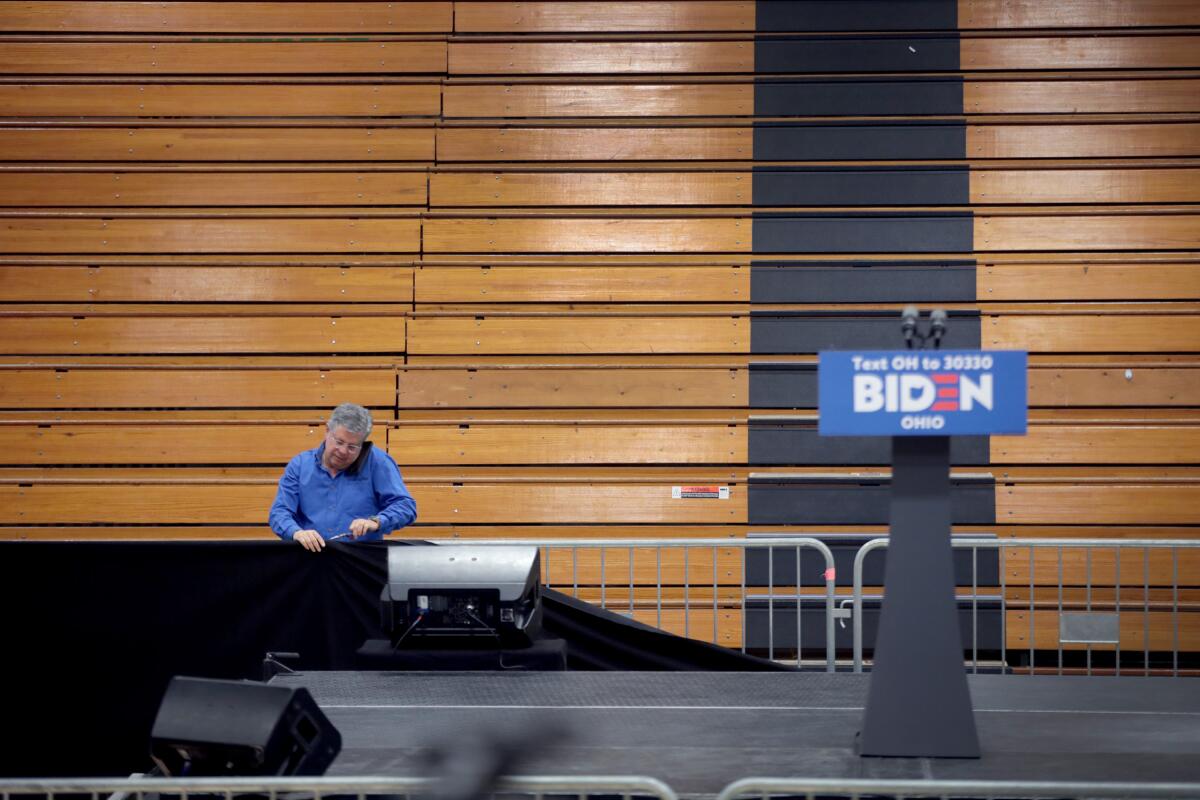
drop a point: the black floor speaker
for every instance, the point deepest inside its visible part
(211, 727)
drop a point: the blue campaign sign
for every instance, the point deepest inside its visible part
(922, 392)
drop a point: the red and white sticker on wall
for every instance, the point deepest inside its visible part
(700, 492)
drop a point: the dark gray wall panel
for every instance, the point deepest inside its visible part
(911, 53)
(851, 98)
(861, 186)
(856, 15)
(761, 634)
(771, 444)
(811, 500)
(782, 385)
(797, 332)
(784, 141)
(864, 233)
(862, 282)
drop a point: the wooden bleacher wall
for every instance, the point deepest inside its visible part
(575, 254)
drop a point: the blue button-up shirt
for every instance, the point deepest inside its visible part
(309, 498)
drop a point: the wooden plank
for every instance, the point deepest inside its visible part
(668, 596)
(571, 388)
(525, 189)
(1175, 185)
(988, 186)
(262, 57)
(217, 144)
(267, 235)
(600, 58)
(181, 309)
(645, 334)
(1080, 52)
(1087, 232)
(192, 388)
(121, 335)
(36, 189)
(574, 532)
(696, 623)
(1089, 281)
(258, 532)
(715, 57)
(1016, 533)
(156, 284)
(1099, 567)
(221, 17)
(1074, 140)
(135, 504)
(180, 416)
(1145, 95)
(604, 235)
(441, 532)
(1117, 96)
(567, 444)
(975, 14)
(595, 144)
(667, 568)
(1114, 386)
(576, 100)
(149, 443)
(1134, 635)
(1101, 333)
(630, 440)
(577, 503)
(1083, 504)
(219, 100)
(580, 284)
(593, 416)
(602, 17)
(475, 442)
(1136, 598)
(1099, 444)
(1081, 140)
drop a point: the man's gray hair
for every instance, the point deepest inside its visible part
(352, 417)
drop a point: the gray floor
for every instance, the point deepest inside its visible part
(700, 731)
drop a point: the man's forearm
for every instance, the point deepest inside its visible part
(397, 515)
(284, 526)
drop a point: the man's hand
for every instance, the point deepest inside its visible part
(309, 540)
(361, 527)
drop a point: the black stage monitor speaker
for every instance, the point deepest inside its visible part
(211, 727)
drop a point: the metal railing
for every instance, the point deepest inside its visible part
(686, 547)
(765, 788)
(581, 787)
(535, 787)
(1111, 624)
(561, 565)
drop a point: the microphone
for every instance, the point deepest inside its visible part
(908, 324)
(937, 327)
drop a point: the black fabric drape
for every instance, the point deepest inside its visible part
(602, 640)
(92, 632)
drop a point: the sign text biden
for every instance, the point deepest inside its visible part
(915, 393)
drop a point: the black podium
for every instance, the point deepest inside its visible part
(918, 703)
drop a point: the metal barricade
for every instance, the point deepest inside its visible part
(765, 788)
(137, 788)
(686, 546)
(1086, 628)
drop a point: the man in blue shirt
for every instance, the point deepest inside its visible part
(345, 487)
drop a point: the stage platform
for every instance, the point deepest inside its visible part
(699, 732)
